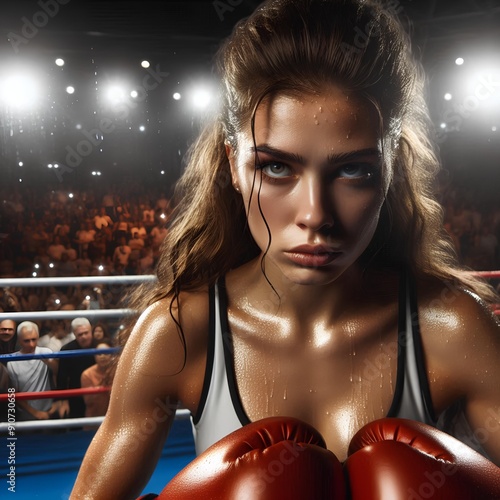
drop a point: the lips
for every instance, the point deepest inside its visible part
(312, 255)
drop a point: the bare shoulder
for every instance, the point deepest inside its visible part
(169, 339)
(461, 335)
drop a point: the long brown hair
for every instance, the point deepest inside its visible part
(299, 46)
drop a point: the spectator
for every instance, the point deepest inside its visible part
(66, 267)
(33, 375)
(148, 215)
(98, 375)
(71, 369)
(146, 262)
(99, 332)
(56, 249)
(141, 229)
(122, 253)
(8, 336)
(136, 244)
(84, 236)
(71, 252)
(158, 234)
(102, 219)
(121, 228)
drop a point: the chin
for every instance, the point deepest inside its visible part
(314, 277)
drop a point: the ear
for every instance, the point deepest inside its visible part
(231, 156)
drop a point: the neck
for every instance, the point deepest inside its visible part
(292, 300)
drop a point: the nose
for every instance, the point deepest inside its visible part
(314, 210)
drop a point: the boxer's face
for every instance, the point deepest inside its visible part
(319, 183)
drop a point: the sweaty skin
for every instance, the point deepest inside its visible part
(301, 349)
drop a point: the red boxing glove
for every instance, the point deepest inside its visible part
(396, 459)
(271, 459)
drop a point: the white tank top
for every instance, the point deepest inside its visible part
(220, 410)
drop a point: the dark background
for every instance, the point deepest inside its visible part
(102, 41)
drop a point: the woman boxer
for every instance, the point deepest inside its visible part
(306, 272)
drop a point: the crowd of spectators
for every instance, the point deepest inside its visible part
(473, 224)
(77, 233)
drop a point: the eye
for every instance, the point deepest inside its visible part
(361, 171)
(275, 170)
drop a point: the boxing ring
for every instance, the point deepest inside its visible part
(46, 455)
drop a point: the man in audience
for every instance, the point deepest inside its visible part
(32, 375)
(60, 333)
(71, 368)
(8, 336)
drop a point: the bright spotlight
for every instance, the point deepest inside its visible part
(60, 62)
(494, 128)
(459, 61)
(134, 94)
(142, 128)
(19, 91)
(443, 125)
(176, 96)
(116, 94)
(145, 64)
(448, 97)
(201, 98)
(20, 163)
(70, 89)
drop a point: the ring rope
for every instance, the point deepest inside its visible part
(29, 425)
(62, 394)
(76, 280)
(59, 354)
(78, 313)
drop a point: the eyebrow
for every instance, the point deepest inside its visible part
(332, 158)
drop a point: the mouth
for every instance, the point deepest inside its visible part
(312, 255)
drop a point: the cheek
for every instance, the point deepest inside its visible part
(358, 211)
(265, 209)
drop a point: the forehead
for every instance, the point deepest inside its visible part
(7, 323)
(82, 329)
(331, 120)
(28, 334)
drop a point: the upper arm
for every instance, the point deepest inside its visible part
(146, 390)
(462, 345)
